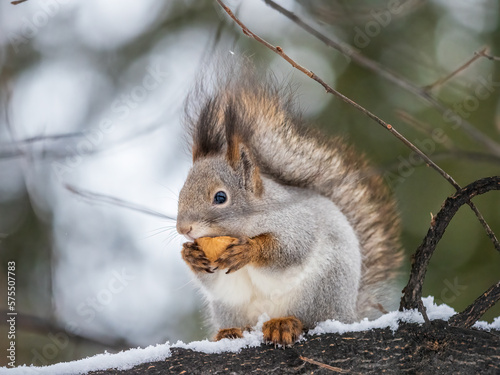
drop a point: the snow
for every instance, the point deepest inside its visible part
(390, 320)
(488, 326)
(123, 360)
(133, 357)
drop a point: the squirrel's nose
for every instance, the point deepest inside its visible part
(184, 228)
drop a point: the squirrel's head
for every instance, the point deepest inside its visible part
(224, 184)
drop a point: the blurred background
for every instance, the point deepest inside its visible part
(93, 153)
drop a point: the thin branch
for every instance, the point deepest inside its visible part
(489, 57)
(439, 223)
(422, 127)
(453, 150)
(324, 365)
(439, 82)
(486, 226)
(386, 73)
(468, 155)
(476, 157)
(473, 312)
(43, 138)
(18, 2)
(15, 148)
(423, 310)
(369, 114)
(96, 197)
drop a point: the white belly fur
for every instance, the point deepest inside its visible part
(254, 291)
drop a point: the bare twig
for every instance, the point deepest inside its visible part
(96, 197)
(422, 127)
(18, 2)
(468, 155)
(420, 260)
(489, 57)
(464, 66)
(53, 137)
(422, 310)
(477, 157)
(471, 314)
(453, 150)
(391, 76)
(369, 114)
(15, 148)
(354, 12)
(324, 365)
(485, 225)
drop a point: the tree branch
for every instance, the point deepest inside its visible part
(489, 57)
(474, 311)
(411, 349)
(96, 197)
(420, 260)
(477, 55)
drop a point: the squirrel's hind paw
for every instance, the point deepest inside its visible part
(229, 333)
(283, 331)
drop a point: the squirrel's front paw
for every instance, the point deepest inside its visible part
(235, 256)
(195, 258)
(283, 331)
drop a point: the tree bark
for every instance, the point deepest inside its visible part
(415, 349)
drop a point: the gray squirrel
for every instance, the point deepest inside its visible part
(317, 231)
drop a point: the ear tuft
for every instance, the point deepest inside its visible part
(233, 139)
(208, 140)
(238, 155)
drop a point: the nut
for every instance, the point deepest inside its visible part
(215, 246)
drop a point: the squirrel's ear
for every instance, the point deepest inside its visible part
(239, 156)
(241, 160)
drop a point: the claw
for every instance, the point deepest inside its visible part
(195, 258)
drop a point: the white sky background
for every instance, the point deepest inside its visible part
(95, 244)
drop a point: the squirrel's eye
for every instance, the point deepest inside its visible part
(220, 197)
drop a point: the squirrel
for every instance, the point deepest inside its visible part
(317, 232)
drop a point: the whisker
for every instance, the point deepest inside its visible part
(157, 232)
(171, 237)
(185, 285)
